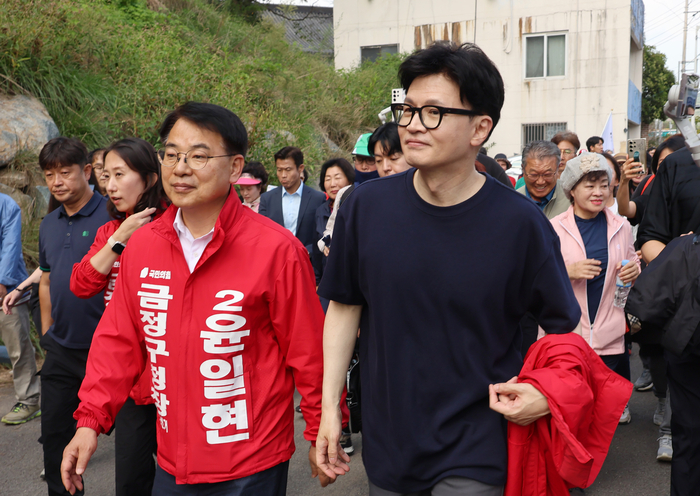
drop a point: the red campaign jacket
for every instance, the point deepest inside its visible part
(567, 448)
(86, 282)
(226, 345)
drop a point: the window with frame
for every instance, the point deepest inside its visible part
(542, 131)
(372, 53)
(545, 55)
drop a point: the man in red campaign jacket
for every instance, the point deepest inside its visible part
(220, 303)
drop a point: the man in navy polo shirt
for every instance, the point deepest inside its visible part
(67, 322)
(439, 318)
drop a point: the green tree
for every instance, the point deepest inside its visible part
(656, 81)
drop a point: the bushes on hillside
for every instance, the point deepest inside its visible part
(108, 69)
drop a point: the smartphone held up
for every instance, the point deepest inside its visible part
(637, 150)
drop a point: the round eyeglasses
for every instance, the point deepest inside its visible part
(195, 158)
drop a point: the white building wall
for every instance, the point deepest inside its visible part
(601, 58)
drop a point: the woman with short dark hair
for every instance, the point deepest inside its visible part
(133, 184)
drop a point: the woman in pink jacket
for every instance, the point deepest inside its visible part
(594, 242)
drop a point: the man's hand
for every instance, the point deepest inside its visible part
(3, 291)
(76, 457)
(8, 302)
(315, 472)
(629, 273)
(585, 269)
(331, 459)
(521, 404)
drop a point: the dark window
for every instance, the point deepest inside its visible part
(372, 53)
(541, 132)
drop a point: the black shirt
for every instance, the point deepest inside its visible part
(64, 241)
(673, 200)
(640, 197)
(443, 290)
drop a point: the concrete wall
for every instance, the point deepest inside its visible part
(602, 58)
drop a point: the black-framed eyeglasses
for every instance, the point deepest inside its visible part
(195, 158)
(430, 115)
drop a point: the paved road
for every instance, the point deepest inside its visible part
(631, 466)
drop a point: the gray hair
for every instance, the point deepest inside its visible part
(540, 150)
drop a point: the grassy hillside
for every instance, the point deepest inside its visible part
(106, 69)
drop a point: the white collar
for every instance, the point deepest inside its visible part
(182, 229)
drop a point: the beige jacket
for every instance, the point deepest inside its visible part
(557, 205)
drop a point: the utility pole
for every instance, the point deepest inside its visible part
(685, 35)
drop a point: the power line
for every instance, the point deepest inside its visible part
(664, 36)
(669, 9)
(671, 12)
(665, 33)
(662, 33)
(660, 23)
(662, 19)
(657, 43)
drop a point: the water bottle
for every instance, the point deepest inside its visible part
(621, 290)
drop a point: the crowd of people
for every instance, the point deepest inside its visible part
(182, 300)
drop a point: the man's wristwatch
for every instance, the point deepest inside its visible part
(117, 246)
